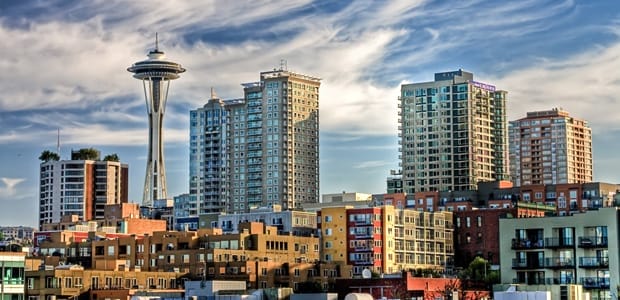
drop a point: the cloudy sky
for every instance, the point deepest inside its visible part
(63, 65)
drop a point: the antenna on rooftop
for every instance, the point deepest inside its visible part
(156, 42)
(58, 142)
(283, 65)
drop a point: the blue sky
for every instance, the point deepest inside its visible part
(63, 65)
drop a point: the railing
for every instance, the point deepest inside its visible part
(559, 280)
(527, 264)
(519, 244)
(566, 242)
(592, 241)
(593, 262)
(530, 281)
(594, 282)
(559, 262)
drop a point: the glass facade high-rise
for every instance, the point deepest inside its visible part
(207, 171)
(453, 133)
(258, 151)
(550, 147)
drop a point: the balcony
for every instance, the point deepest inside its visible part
(592, 241)
(524, 244)
(527, 264)
(593, 262)
(559, 280)
(595, 282)
(559, 263)
(559, 243)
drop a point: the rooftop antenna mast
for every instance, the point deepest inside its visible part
(156, 42)
(283, 65)
(58, 142)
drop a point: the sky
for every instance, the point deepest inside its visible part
(63, 66)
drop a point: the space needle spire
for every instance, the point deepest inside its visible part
(155, 73)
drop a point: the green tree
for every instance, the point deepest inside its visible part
(309, 287)
(112, 157)
(479, 274)
(49, 156)
(88, 154)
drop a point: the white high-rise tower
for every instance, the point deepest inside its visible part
(155, 73)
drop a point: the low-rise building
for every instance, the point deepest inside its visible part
(72, 281)
(288, 221)
(13, 279)
(385, 239)
(580, 248)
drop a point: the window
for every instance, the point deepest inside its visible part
(467, 222)
(479, 221)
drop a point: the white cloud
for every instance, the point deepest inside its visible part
(372, 164)
(587, 85)
(9, 185)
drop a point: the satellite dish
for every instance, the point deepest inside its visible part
(366, 273)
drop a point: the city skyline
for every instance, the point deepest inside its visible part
(64, 67)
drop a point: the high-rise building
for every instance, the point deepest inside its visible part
(80, 187)
(207, 167)
(261, 150)
(453, 133)
(155, 73)
(550, 147)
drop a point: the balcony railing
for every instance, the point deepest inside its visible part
(556, 243)
(559, 280)
(520, 244)
(595, 282)
(527, 264)
(530, 281)
(593, 262)
(592, 241)
(559, 262)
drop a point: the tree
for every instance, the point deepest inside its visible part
(112, 157)
(47, 156)
(309, 287)
(87, 154)
(478, 274)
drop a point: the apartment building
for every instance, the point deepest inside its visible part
(550, 147)
(207, 167)
(453, 133)
(275, 149)
(257, 254)
(13, 278)
(563, 250)
(258, 151)
(73, 282)
(80, 187)
(386, 239)
(293, 222)
(18, 233)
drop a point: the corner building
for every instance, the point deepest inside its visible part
(550, 147)
(581, 248)
(80, 187)
(453, 133)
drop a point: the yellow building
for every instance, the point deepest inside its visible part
(385, 239)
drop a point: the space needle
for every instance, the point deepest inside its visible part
(156, 73)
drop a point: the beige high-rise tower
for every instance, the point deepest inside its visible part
(273, 142)
(550, 147)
